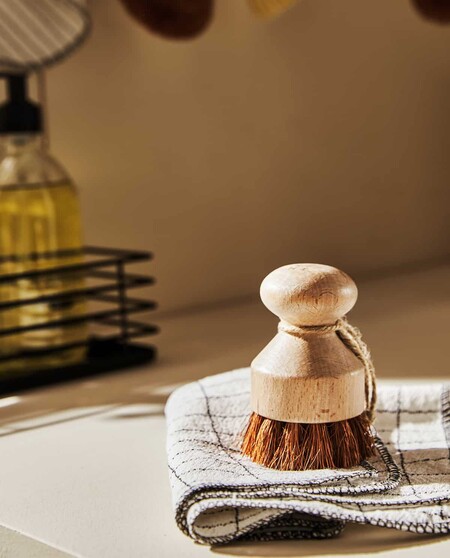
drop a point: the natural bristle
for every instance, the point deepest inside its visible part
(298, 447)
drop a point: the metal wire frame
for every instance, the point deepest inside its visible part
(110, 267)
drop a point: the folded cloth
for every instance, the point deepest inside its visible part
(221, 496)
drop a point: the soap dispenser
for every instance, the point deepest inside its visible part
(40, 228)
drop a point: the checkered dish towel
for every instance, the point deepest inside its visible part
(221, 496)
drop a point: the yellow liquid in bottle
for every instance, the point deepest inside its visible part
(38, 219)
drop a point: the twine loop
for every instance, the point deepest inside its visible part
(352, 339)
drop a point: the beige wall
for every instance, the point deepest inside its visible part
(322, 136)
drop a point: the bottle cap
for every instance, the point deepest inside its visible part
(18, 114)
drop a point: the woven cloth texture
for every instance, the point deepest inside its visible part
(220, 496)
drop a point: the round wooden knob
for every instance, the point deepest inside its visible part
(308, 294)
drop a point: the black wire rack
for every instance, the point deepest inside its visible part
(116, 338)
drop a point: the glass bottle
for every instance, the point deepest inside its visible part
(40, 227)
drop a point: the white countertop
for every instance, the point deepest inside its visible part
(83, 465)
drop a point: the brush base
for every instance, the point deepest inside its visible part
(299, 447)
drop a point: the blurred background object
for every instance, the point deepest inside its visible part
(175, 19)
(435, 10)
(40, 228)
(37, 33)
(40, 225)
(270, 8)
(47, 276)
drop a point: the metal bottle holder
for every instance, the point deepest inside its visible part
(107, 281)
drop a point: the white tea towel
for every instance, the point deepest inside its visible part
(221, 496)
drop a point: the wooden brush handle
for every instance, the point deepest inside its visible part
(306, 374)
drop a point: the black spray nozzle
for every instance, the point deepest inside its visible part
(18, 114)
